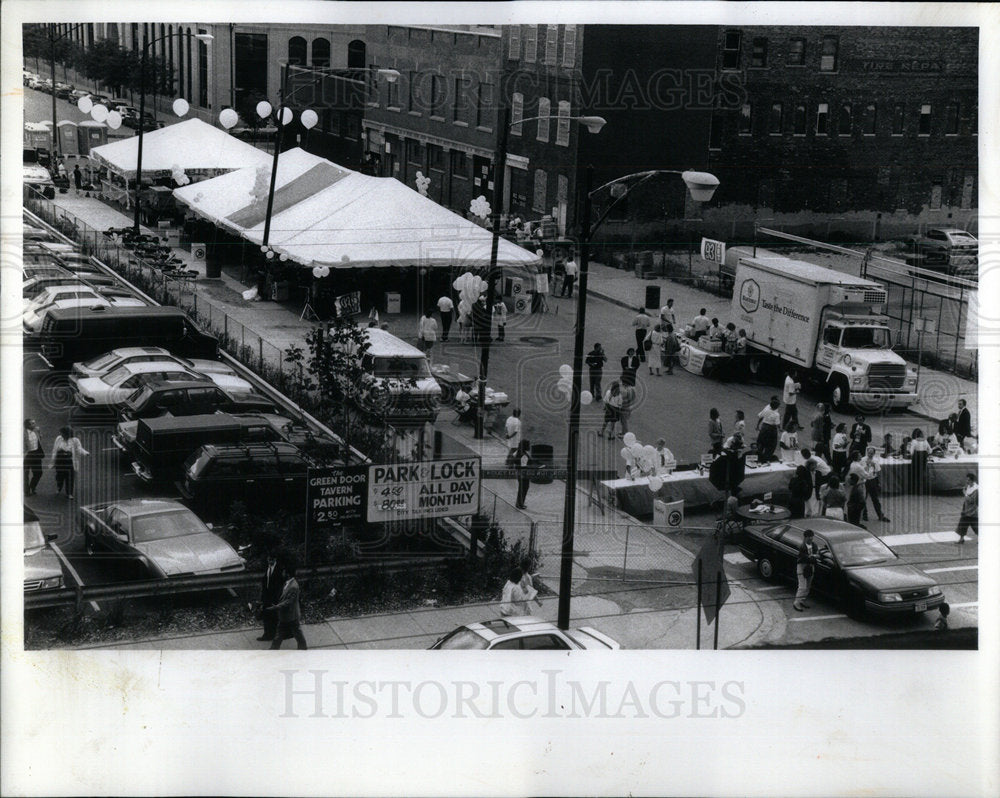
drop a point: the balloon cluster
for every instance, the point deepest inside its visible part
(319, 272)
(422, 183)
(271, 254)
(470, 287)
(100, 113)
(642, 459)
(565, 385)
(480, 207)
(178, 176)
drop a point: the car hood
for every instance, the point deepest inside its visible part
(41, 563)
(190, 554)
(93, 386)
(862, 358)
(890, 577)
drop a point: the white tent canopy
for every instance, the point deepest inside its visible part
(193, 145)
(325, 214)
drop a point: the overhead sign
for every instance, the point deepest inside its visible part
(714, 251)
(429, 489)
(348, 304)
(336, 494)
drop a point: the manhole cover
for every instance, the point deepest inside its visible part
(538, 340)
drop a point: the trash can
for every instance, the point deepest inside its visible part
(652, 297)
(541, 456)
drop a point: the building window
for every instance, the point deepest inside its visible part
(435, 157)
(538, 200)
(530, 43)
(744, 127)
(822, 119)
(296, 51)
(353, 131)
(871, 117)
(731, 50)
(828, 56)
(356, 55)
(514, 43)
(569, 46)
(715, 133)
(461, 106)
(544, 110)
(414, 152)
(799, 120)
(797, 52)
(925, 120)
(936, 190)
(562, 127)
(968, 184)
(411, 99)
(775, 120)
(951, 119)
(321, 53)
(758, 58)
(551, 43)
(844, 121)
(898, 115)
(459, 165)
(393, 100)
(484, 105)
(516, 113)
(437, 95)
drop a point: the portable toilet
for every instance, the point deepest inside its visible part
(38, 135)
(92, 134)
(68, 137)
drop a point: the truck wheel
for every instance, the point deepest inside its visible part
(765, 568)
(840, 394)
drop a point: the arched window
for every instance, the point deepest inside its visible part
(321, 53)
(356, 55)
(297, 51)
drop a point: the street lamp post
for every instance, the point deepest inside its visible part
(702, 186)
(203, 37)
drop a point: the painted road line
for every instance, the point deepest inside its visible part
(966, 604)
(917, 538)
(816, 617)
(955, 568)
(73, 573)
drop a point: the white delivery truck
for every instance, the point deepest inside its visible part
(826, 324)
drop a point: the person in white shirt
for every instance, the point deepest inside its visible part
(513, 599)
(819, 473)
(445, 308)
(572, 270)
(67, 452)
(500, 317)
(427, 332)
(641, 323)
(667, 315)
(790, 396)
(664, 457)
(34, 454)
(700, 325)
(768, 421)
(872, 466)
(512, 433)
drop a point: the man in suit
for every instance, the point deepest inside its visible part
(271, 585)
(289, 614)
(963, 428)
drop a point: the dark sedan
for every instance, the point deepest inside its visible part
(855, 566)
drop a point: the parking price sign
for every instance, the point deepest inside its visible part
(336, 494)
(429, 489)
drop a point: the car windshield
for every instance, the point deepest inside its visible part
(963, 238)
(865, 338)
(862, 550)
(33, 536)
(101, 362)
(120, 374)
(464, 639)
(159, 526)
(406, 368)
(139, 396)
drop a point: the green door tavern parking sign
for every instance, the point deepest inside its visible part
(336, 494)
(429, 489)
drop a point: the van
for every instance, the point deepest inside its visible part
(77, 335)
(397, 382)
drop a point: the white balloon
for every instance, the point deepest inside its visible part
(636, 448)
(655, 483)
(269, 254)
(317, 271)
(181, 106)
(309, 118)
(114, 120)
(85, 104)
(649, 451)
(263, 247)
(586, 397)
(264, 109)
(286, 116)
(567, 371)
(326, 271)
(626, 453)
(99, 113)
(464, 306)
(629, 438)
(228, 118)
(282, 257)
(540, 253)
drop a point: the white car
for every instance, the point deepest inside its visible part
(523, 633)
(37, 176)
(70, 289)
(57, 296)
(114, 387)
(102, 364)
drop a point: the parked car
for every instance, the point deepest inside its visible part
(76, 94)
(524, 633)
(38, 177)
(35, 312)
(944, 249)
(69, 290)
(112, 389)
(77, 306)
(101, 364)
(855, 566)
(104, 285)
(63, 90)
(164, 537)
(42, 570)
(189, 399)
(218, 474)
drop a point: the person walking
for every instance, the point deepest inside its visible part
(716, 434)
(641, 323)
(669, 348)
(790, 396)
(595, 361)
(445, 307)
(630, 366)
(513, 598)
(838, 450)
(861, 435)
(67, 452)
(628, 405)
(500, 317)
(655, 348)
(77, 178)
(740, 425)
(271, 586)
(963, 426)
(667, 315)
(855, 500)
(920, 451)
(34, 454)
(821, 473)
(827, 431)
(805, 567)
(612, 409)
(800, 489)
(969, 517)
(833, 500)
(768, 421)
(289, 613)
(512, 434)
(572, 270)
(482, 320)
(816, 428)
(522, 462)
(527, 583)
(427, 332)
